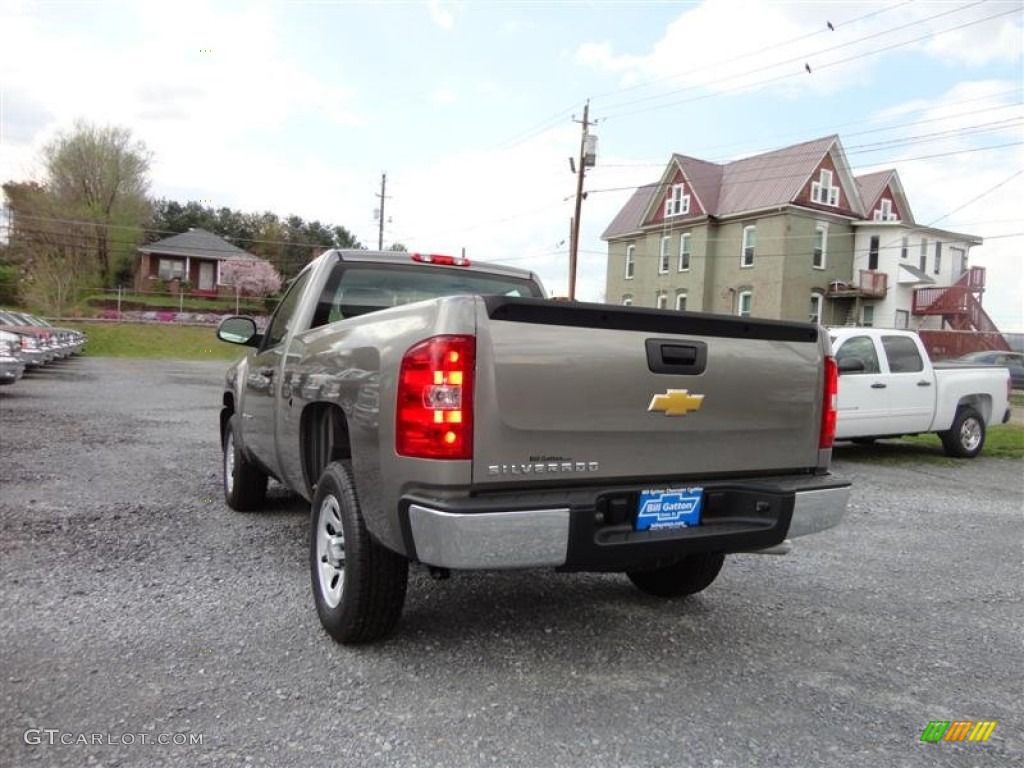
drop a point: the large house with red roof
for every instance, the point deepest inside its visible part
(791, 234)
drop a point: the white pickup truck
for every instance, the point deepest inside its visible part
(889, 387)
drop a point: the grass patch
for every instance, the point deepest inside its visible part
(1017, 399)
(1003, 441)
(156, 340)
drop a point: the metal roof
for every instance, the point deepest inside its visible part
(871, 186)
(752, 183)
(631, 216)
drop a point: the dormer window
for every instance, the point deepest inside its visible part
(677, 202)
(822, 190)
(884, 211)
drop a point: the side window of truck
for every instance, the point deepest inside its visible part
(285, 313)
(862, 348)
(903, 355)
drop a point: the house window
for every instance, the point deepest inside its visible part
(681, 301)
(630, 261)
(905, 247)
(677, 202)
(662, 301)
(749, 243)
(172, 269)
(822, 190)
(815, 313)
(867, 315)
(923, 261)
(666, 243)
(938, 258)
(627, 300)
(884, 212)
(744, 303)
(959, 257)
(873, 253)
(820, 245)
(902, 319)
(684, 252)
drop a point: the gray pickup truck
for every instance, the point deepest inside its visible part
(445, 413)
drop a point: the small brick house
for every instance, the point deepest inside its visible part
(192, 258)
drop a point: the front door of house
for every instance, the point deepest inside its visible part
(206, 273)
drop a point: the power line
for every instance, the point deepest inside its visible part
(777, 78)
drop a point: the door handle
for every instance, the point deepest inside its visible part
(878, 385)
(924, 383)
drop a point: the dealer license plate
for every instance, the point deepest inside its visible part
(669, 508)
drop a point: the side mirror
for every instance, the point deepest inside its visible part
(851, 365)
(238, 330)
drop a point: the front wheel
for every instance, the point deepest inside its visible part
(358, 584)
(690, 575)
(966, 437)
(245, 485)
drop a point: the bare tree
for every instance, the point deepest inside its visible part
(98, 176)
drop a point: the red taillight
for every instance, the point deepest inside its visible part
(434, 418)
(830, 405)
(434, 258)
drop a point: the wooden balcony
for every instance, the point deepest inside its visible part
(870, 285)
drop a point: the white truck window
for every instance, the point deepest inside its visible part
(903, 355)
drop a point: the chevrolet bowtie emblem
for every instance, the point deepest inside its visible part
(676, 402)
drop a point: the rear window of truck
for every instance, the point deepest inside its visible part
(353, 289)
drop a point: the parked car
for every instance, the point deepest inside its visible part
(69, 341)
(38, 345)
(888, 387)
(445, 413)
(1012, 361)
(12, 365)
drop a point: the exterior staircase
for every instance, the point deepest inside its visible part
(966, 325)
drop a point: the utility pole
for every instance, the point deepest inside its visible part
(584, 160)
(380, 212)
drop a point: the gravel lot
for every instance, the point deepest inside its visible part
(136, 604)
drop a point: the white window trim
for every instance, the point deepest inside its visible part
(627, 300)
(661, 302)
(630, 270)
(867, 315)
(823, 228)
(739, 303)
(743, 247)
(174, 264)
(677, 203)
(665, 255)
(884, 211)
(822, 191)
(680, 299)
(818, 302)
(685, 240)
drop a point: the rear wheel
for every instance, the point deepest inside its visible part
(966, 437)
(245, 485)
(358, 585)
(691, 575)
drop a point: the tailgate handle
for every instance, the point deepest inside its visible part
(678, 357)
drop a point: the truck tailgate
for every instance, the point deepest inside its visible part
(589, 393)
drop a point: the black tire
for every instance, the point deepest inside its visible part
(245, 485)
(358, 584)
(687, 577)
(966, 437)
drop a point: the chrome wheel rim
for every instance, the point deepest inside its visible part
(970, 434)
(330, 552)
(229, 463)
